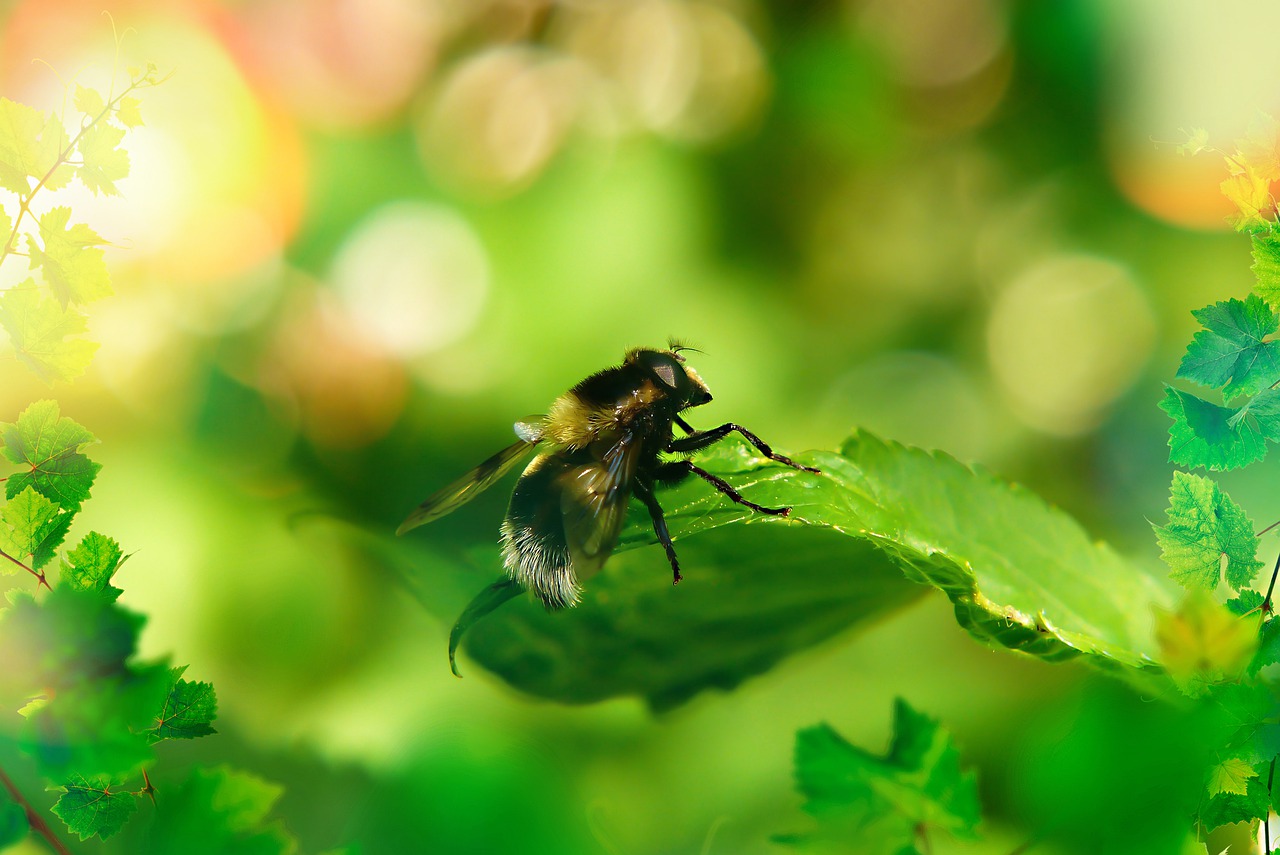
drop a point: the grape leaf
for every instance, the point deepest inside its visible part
(1266, 267)
(1245, 602)
(880, 804)
(1225, 808)
(38, 328)
(50, 447)
(1019, 573)
(30, 146)
(1202, 434)
(13, 822)
(89, 101)
(128, 113)
(1204, 525)
(1231, 351)
(1261, 413)
(188, 711)
(104, 163)
(1203, 643)
(94, 806)
(32, 526)
(71, 258)
(1231, 776)
(90, 566)
(220, 810)
(1196, 142)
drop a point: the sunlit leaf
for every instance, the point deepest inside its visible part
(1227, 807)
(1266, 267)
(104, 163)
(31, 528)
(40, 328)
(95, 806)
(1019, 573)
(188, 711)
(128, 112)
(1196, 142)
(48, 447)
(1232, 351)
(30, 144)
(1231, 776)
(70, 259)
(89, 101)
(1204, 525)
(90, 566)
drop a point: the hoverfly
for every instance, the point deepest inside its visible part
(604, 441)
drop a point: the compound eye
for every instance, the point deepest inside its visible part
(666, 373)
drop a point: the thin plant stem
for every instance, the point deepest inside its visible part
(34, 819)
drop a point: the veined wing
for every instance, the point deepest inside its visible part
(466, 488)
(593, 504)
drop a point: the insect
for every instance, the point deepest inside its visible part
(605, 440)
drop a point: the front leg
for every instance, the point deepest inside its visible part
(699, 439)
(678, 470)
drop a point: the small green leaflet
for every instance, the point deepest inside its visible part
(188, 711)
(71, 258)
(1231, 776)
(94, 806)
(32, 527)
(1266, 267)
(1218, 438)
(39, 328)
(878, 804)
(1204, 525)
(104, 163)
(49, 447)
(1231, 351)
(90, 566)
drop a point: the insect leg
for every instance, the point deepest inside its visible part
(645, 491)
(677, 470)
(701, 439)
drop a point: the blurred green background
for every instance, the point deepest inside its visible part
(360, 239)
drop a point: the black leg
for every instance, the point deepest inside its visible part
(701, 439)
(724, 487)
(645, 492)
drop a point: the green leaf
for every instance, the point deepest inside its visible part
(1019, 573)
(94, 806)
(13, 822)
(1203, 643)
(38, 328)
(104, 163)
(220, 810)
(30, 145)
(1205, 525)
(128, 113)
(1245, 602)
(1231, 776)
(1226, 808)
(89, 101)
(1231, 351)
(188, 711)
(49, 446)
(1260, 413)
(1266, 267)
(1202, 434)
(879, 804)
(32, 527)
(71, 258)
(90, 566)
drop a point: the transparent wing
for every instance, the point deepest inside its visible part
(593, 504)
(469, 486)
